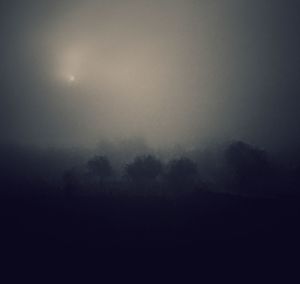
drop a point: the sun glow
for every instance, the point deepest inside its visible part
(71, 78)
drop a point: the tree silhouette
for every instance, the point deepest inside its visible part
(144, 168)
(100, 167)
(181, 171)
(248, 164)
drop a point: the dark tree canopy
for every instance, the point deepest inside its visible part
(100, 167)
(144, 167)
(182, 169)
(247, 162)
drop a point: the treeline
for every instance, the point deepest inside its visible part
(236, 167)
(145, 174)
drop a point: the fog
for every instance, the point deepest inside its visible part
(74, 73)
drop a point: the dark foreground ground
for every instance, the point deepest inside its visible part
(103, 221)
(202, 223)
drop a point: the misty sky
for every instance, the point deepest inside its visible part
(174, 72)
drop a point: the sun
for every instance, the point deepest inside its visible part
(71, 78)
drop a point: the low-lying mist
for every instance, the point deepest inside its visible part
(134, 167)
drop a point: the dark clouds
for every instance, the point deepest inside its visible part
(235, 68)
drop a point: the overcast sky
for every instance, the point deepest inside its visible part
(173, 72)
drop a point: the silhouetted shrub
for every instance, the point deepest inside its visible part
(144, 168)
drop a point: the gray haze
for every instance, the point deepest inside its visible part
(173, 72)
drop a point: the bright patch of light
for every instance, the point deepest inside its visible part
(71, 78)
